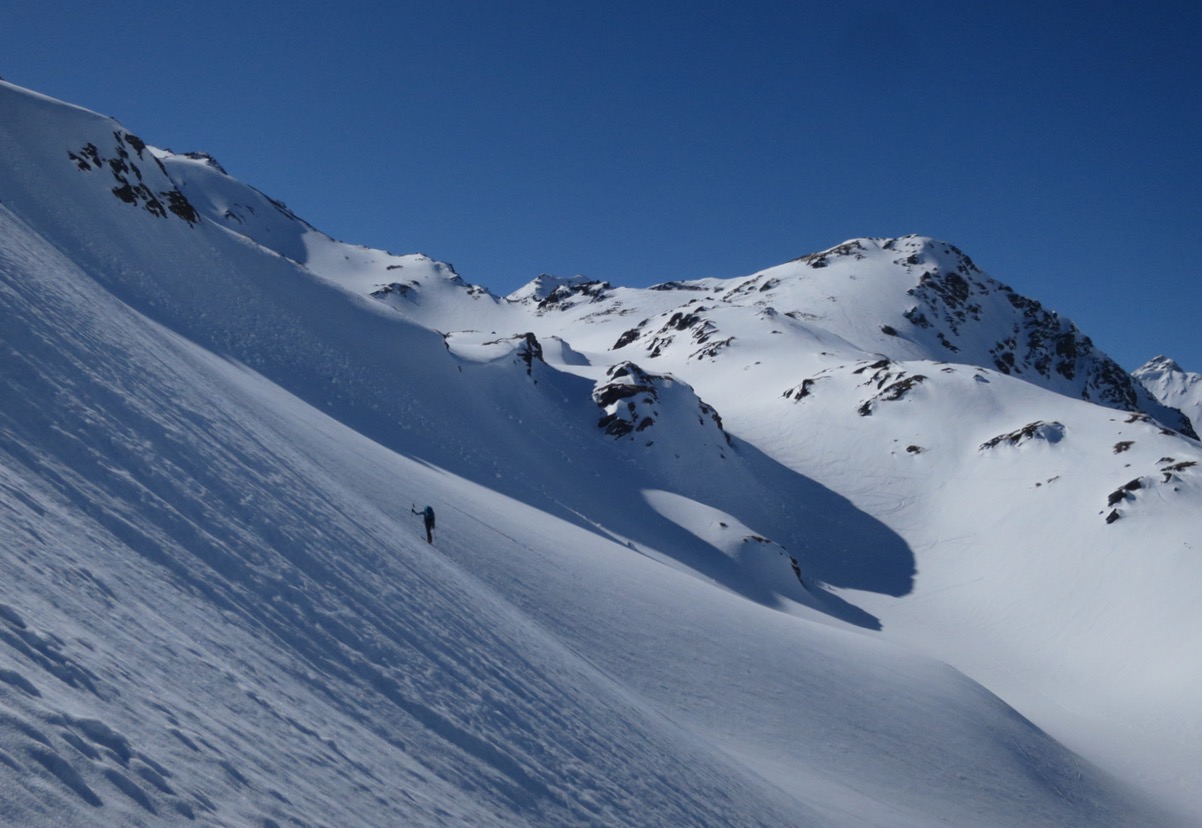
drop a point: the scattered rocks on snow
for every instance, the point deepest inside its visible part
(691, 320)
(891, 393)
(1120, 494)
(131, 184)
(891, 381)
(854, 248)
(568, 295)
(395, 289)
(1052, 432)
(800, 392)
(677, 285)
(1171, 471)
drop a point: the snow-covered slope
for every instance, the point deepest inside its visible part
(714, 576)
(1172, 385)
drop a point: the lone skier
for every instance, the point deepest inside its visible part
(427, 515)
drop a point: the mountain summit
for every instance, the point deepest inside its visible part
(865, 538)
(1173, 386)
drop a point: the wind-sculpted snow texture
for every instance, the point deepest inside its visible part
(704, 555)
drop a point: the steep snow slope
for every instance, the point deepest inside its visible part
(216, 607)
(1174, 386)
(205, 617)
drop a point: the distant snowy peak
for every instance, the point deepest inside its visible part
(551, 293)
(1161, 369)
(1173, 386)
(904, 299)
(919, 298)
(542, 287)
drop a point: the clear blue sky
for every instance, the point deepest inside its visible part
(1058, 143)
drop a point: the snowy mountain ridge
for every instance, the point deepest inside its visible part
(950, 311)
(862, 539)
(953, 310)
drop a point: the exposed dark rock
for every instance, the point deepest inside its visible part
(712, 349)
(899, 389)
(626, 338)
(700, 329)
(800, 392)
(891, 382)
(854, 248)
(126, 193)
(179, 204)
(873, 366)
(80, 162)
(680, 320)
(676, 286)
(207, 159)
(1052, 432)
(605, 395)
(1120, 494)
(917, 318)
(396, 288)
(530, 350)
(135, 192)
(796, 570)
(892, 392)
(566, 296)
(630, 400)
(134, 141)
